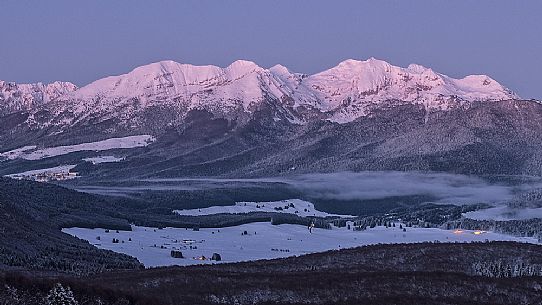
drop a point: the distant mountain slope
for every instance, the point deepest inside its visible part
(31, 215)
(245, 120)
(20, 97)
(505, 138)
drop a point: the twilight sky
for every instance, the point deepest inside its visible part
(83, 41)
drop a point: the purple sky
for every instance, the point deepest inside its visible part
(81, 42)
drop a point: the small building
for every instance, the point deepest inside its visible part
(176, 254)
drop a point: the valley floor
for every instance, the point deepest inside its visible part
(262, 240)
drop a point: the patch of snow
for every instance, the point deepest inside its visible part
(103, 159)
(263, 241)
(61, 172)
(291, 206)
(31, 153)
(16, 153)
(50, 170)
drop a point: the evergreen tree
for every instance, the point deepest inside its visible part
(59, 295)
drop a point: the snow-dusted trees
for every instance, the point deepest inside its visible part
(500, 269)
(530, 199)
(60, 295)
(11, 297)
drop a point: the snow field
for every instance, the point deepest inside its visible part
(103, 159)
(290, 206)
(31, 153)
(263, 241)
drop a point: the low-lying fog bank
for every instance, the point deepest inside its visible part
(438, 187)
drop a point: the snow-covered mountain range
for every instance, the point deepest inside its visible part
(341, 94)
(247, 120)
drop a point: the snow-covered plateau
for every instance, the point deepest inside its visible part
(290, 206)
(262, 241)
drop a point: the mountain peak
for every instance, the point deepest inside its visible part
(371, 66)
(243, 63)
(353, 86)
(280, 69)
(243, 67)
(416, 68)
(371, 61)
(164, 65)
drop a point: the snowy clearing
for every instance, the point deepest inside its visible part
(263, 241)
(16, 153)
(504, 213)
(290, 206)
(103, 159)
(31, 153)
(61, 172)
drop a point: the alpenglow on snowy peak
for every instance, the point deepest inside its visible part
(341, 94)
(245, 120)
(17, 97)
(353, 88)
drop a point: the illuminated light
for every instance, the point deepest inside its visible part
(478, 232)
(458, 231)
